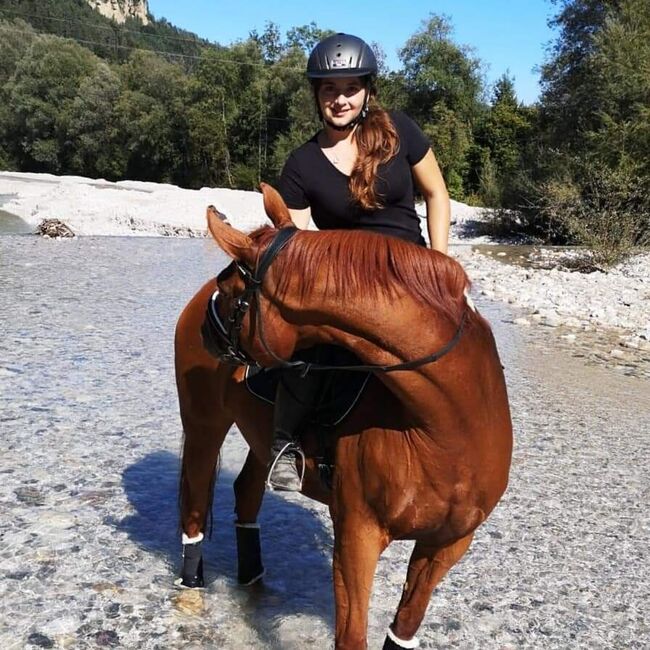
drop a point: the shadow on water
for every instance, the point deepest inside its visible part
(10, 224)
(293, 539)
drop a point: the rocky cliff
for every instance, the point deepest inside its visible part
(120, 10)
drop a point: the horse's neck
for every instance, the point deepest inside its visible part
(386, 332)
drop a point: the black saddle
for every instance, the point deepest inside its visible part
(340, 389)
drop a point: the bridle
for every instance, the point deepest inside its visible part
(229, 347)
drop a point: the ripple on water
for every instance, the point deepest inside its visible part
(90, 453)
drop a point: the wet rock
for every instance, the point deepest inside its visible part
(54, 228)
(189, 601)
(40, 640)
(30, 495)
(107, 639)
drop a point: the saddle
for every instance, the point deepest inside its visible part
(339, 390)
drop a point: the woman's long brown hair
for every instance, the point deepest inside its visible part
(377, 142)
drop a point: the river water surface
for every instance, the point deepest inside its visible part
(89, 455)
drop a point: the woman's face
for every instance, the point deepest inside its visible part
(341, 99)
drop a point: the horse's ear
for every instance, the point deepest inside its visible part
(234, 243)
(275, 207)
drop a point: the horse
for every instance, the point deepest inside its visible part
(424, 455)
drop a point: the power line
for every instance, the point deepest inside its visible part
(166, 53)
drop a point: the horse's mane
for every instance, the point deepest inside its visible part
(358, 262)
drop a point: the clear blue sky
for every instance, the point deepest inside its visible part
(507, 35)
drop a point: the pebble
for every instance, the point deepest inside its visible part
(103, 457)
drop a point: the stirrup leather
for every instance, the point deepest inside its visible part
(290, 446)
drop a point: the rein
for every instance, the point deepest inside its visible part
(229, 334)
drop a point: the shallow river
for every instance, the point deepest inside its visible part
(89, 455)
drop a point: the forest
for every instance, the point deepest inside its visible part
(80, 94)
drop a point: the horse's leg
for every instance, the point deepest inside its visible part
(205, 426)
(358, 543)
(249, 492)
(427, 566)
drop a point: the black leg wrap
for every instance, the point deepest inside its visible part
(389, 644)
(192, 566)
(249, 555)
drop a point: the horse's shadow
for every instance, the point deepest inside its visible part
(296, 546)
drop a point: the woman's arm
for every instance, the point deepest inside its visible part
(431, 184)
(301, 217)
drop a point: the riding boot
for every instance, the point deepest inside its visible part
(294, 402)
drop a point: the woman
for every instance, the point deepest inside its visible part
(359, 171)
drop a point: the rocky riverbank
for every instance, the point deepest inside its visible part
(605, 316)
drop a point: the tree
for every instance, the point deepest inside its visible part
(96, 127)
(152, 113)
(443, 84)
(500, 139)
(596, 124)
(41, 94)
(570, 94)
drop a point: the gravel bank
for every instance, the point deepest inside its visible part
(90, 439)
(579, 306)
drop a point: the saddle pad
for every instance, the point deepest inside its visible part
(341, 388)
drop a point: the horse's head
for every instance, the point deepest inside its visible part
(245, 307)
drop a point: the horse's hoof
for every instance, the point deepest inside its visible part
(247, 579)
(195, 582)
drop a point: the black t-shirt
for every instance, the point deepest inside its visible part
(309, 179)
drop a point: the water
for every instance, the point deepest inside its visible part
(89, 454)
(10, 224)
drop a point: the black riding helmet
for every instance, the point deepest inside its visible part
(342, 55)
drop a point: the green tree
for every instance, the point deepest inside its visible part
(151, 111)
(622, 65)
(16, 37)
(500, 141)
(596, 125)
(443, 85)
(96, 129)
(41, 94)
(571, 99)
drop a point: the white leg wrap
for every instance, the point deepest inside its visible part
(192, 540)
(254, 526)
(412, 643)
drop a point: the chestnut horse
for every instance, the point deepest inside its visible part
(424, 455)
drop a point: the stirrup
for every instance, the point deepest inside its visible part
(290, 446)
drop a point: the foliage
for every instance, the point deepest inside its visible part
(443, 88)
(41, 93)
(594, 132)
(498, 151)
(80, 94)
(606, 210)
(77, 20)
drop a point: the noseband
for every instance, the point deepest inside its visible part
(227, 347)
